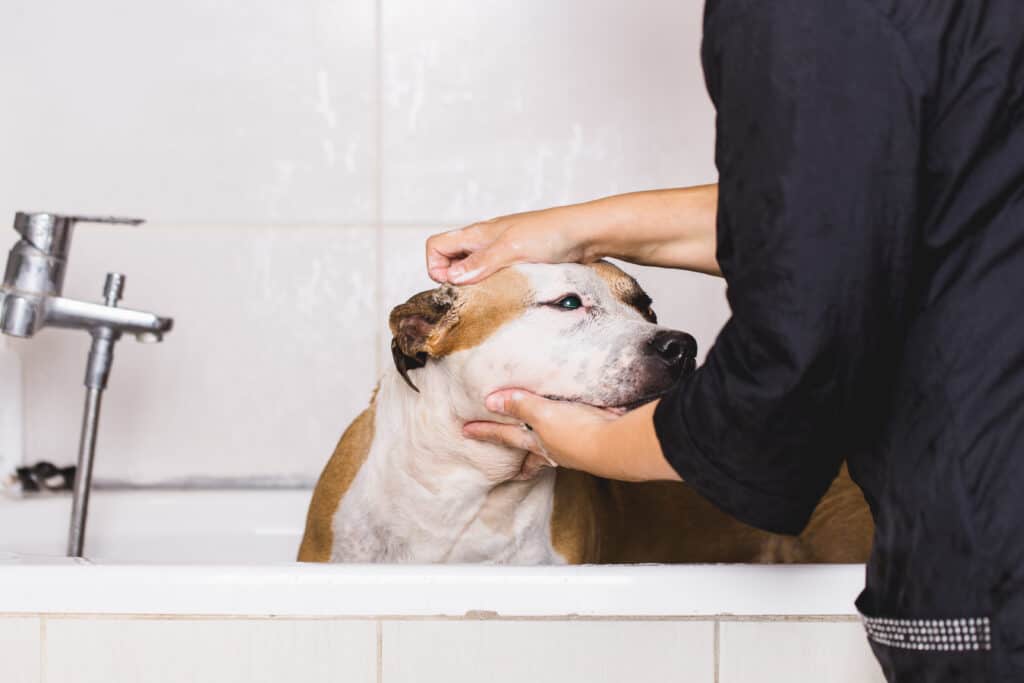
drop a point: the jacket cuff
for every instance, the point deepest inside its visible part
(770, 512)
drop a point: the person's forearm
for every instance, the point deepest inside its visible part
(671, 228)
(628, 449)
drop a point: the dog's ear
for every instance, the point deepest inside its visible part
(418, 325)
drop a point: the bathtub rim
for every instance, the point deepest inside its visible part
(63, 586)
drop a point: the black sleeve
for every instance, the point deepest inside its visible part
(817, 152)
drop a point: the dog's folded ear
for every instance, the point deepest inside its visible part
(418, 325)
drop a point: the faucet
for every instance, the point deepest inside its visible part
(30, 300)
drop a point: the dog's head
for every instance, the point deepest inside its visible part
(584, 333)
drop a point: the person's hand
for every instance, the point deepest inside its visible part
(669, 228)
(576, 436)
(472, 253)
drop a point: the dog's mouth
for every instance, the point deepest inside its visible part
(633, 405)
(689, 365)
(619, 409)
(636, 403)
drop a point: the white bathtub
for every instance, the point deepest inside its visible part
(150, 526)
(219, 556)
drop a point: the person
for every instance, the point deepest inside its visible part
(869, 222)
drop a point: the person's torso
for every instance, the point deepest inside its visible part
(946, 476)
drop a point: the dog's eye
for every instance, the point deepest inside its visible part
(569, 302)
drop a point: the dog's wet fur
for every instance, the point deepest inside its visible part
(404, 484)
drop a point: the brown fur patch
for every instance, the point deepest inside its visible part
(448, 319)
(425, 315)
(479, 311)
(349, 455)
(626, 289)
(600, 521)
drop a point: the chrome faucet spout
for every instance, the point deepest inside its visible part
(83, 315)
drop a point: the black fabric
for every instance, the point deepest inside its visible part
(871, 231)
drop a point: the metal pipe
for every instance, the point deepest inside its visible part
(83, 475)
(97, 370)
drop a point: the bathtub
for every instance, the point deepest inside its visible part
(179, 571)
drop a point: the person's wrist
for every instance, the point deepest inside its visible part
(580, 225)
(608, 451)
(610, 218)
(595, 226)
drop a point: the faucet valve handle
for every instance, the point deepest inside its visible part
(113, 288)
(41, 223)
(50, 233)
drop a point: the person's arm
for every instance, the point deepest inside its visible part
(819, 113)
(673, 228)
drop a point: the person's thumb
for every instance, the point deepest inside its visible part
(480, 264)
(519, 404)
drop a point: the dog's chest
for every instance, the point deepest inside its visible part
(383, 519)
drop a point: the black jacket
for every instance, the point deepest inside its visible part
(871, 230)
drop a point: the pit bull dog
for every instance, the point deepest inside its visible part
(405, 485)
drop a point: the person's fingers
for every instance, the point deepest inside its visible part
(531, 467)
(437, 264)
(441, 249)
(479, 264)
(513, 436)
(520, 404)
(446, 248)
(531, 408)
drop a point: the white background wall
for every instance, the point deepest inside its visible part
(291, 158)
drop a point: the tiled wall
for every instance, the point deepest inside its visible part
(291, 158)
(114, 650)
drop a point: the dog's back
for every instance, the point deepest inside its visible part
(596, 520)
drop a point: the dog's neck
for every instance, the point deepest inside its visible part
(426, 493)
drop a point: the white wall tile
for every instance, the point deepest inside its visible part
(19, 649)
(272, 353)
(492, 106)
(539, 651)
(201, 112)
(782, 652)
(218, 651)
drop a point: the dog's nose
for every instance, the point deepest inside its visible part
(673, 348)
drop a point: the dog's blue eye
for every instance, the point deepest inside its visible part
(570, 302)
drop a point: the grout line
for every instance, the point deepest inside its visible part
(427, 224)
(378, 106)
(254, 225)
(380, 652)
(433, 224)
(378, 190)
(42, 649)
(765, 618)
(718, 648)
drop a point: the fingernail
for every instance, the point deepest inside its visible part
(495, 403)
(458, 276)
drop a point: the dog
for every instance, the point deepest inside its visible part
(404, 485)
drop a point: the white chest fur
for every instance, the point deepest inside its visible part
(427, 494)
